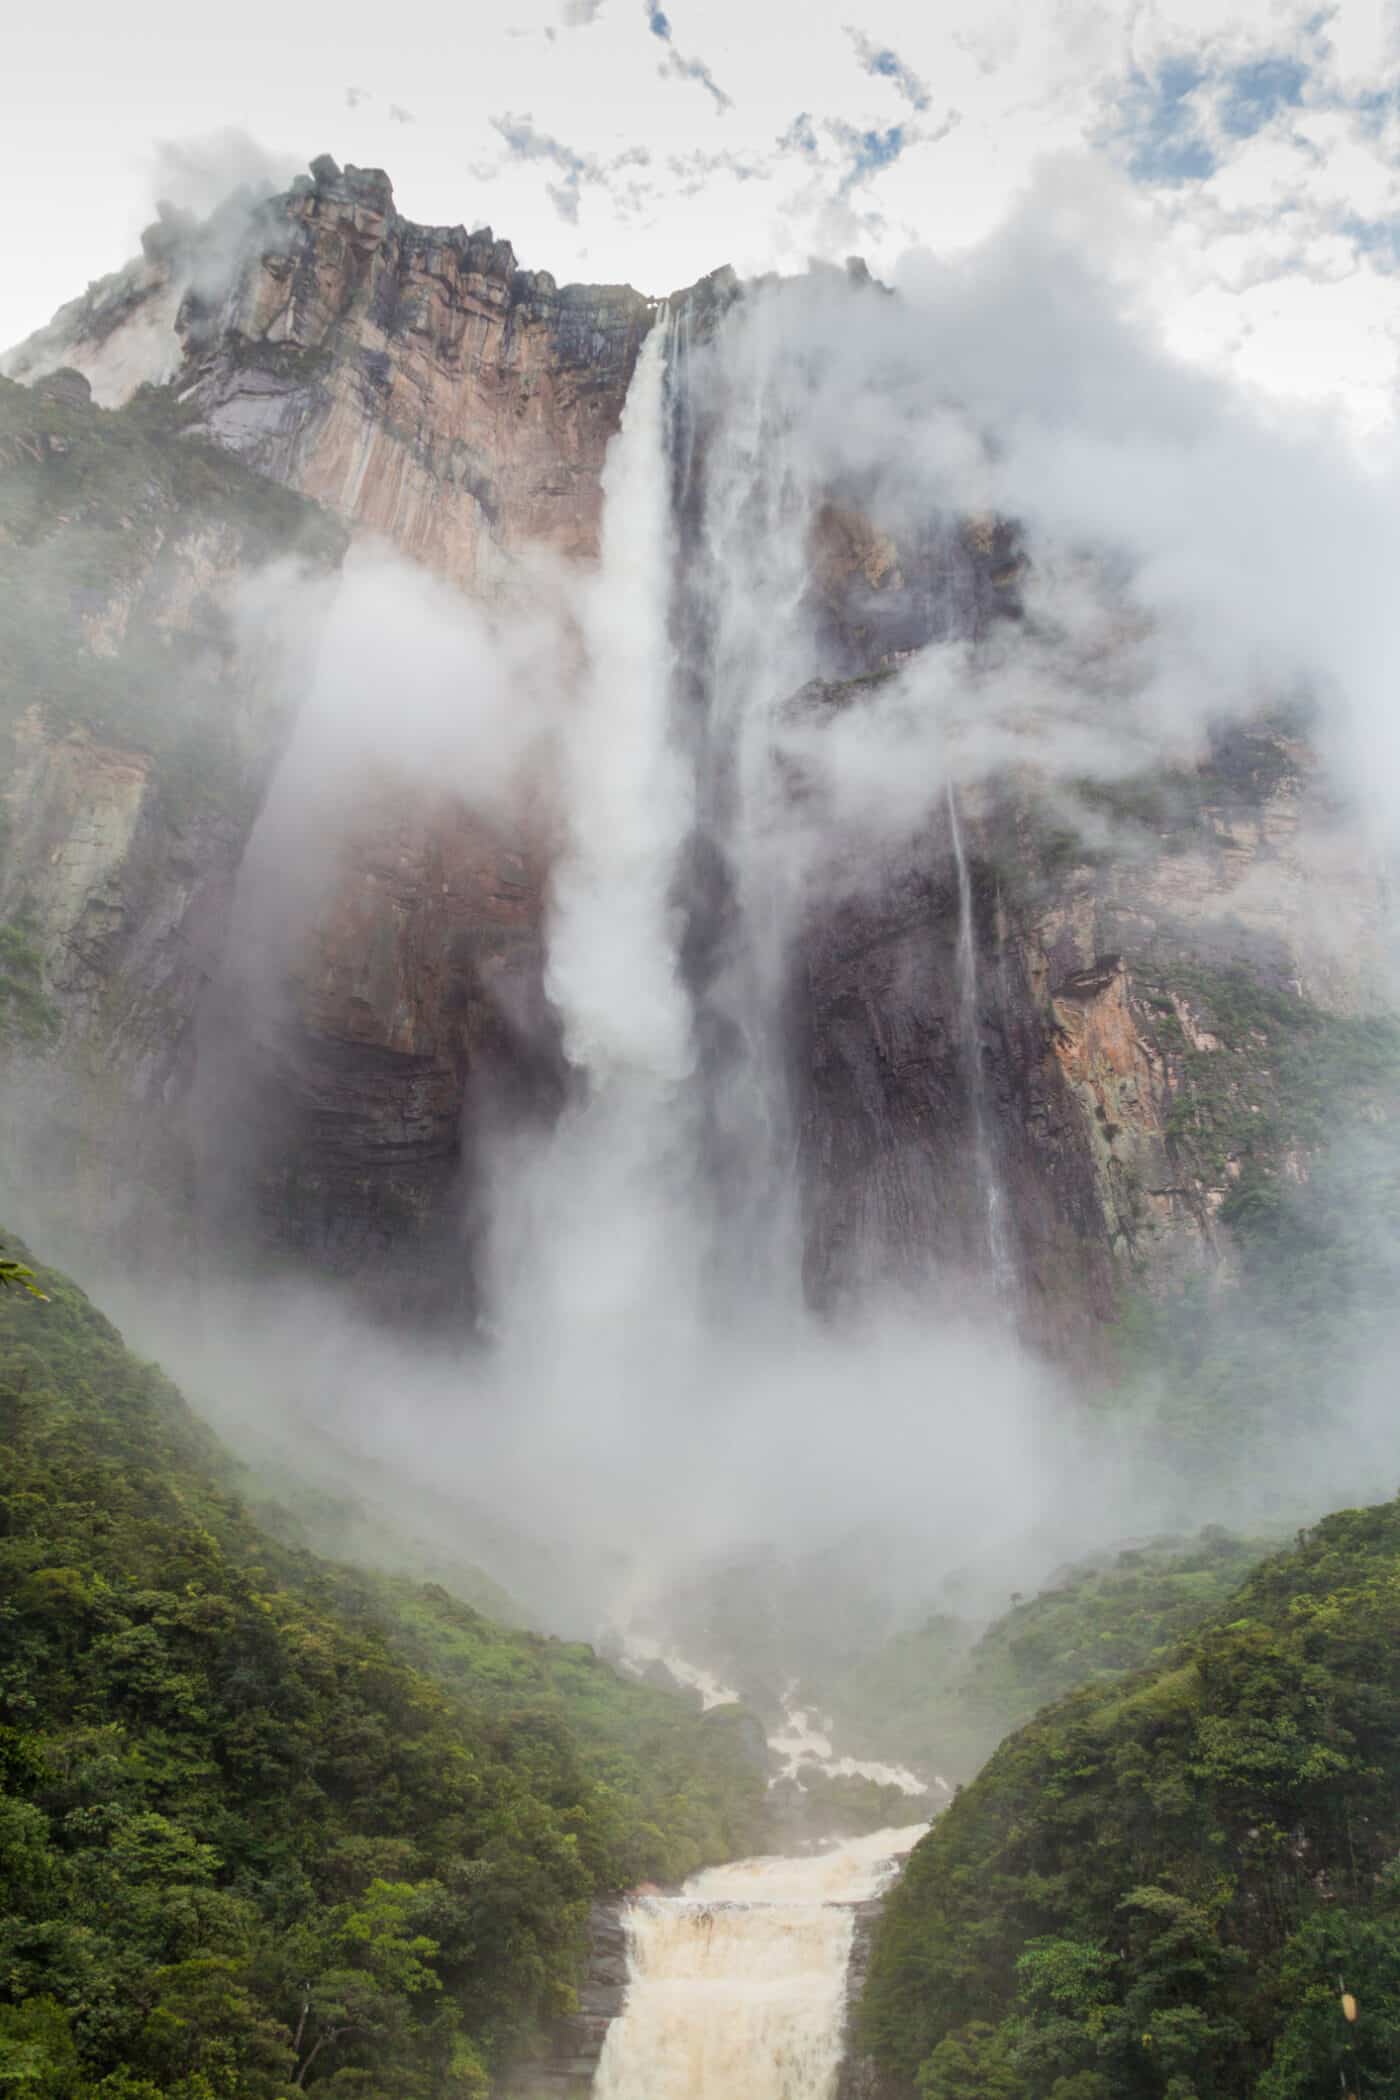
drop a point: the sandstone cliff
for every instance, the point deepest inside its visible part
(411, 378)
(314, 367)
(416, 384)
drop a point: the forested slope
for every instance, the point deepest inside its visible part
(246, 1846)
(944, 1694)
(1160, 1888)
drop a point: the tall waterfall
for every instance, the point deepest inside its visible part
(970, 1028)
(754, 650)
(586, 1224)
(612, 939)
(738, 1984)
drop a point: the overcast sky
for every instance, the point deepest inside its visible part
(620, 139)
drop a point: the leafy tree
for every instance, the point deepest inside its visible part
(974, 2063)
(1337, 1955)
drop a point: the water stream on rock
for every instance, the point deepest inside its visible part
(969, 1014)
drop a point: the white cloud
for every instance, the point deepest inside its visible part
(1299, 191)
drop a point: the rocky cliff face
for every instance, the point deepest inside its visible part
(411, 378)
(323, 368)
(140, 729)
(568, 2069)
(1142, 1006)
(414, 1014)
(860, 2077)
(417, 385)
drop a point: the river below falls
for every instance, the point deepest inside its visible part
(737, 1984)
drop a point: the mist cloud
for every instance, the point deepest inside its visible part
(198, 175)
(1198, 552)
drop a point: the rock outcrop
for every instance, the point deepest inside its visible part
(411, 378)
(139, 733)
(576, 2040)
(1124, 1114)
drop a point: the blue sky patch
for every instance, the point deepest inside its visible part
(877, 149)
(1159, 128)
(1256, 92)
(885, 63)
(1377, 238)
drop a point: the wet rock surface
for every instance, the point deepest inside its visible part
(576, 2041)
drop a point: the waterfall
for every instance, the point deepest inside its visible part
(754, 650)
(970, 1028)
(737, 1986)
(612, 938)
(586, 1223)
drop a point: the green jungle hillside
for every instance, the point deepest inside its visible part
(269, 1826)
(943, 1695)
(1163, 1886)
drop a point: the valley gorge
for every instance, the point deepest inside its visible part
(709, 1051)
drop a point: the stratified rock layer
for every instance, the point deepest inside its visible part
(411, 378)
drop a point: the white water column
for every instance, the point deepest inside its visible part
(592, 1224)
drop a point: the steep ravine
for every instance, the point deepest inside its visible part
(743, 1980)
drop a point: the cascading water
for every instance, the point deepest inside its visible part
(970, 1027)
(738, 1985)
(588, 1221)
(612, 938)
(754, 651)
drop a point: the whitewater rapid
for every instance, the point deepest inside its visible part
(737, 1985)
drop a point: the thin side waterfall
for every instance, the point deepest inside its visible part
(737, 1986)
(969, 1004)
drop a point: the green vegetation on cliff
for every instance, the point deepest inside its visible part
(942, 1696)
(1273, 1382)
(1265, 1072)
(1159, 1889)
(27, 1014)
(268, 1825)
(119, 535)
